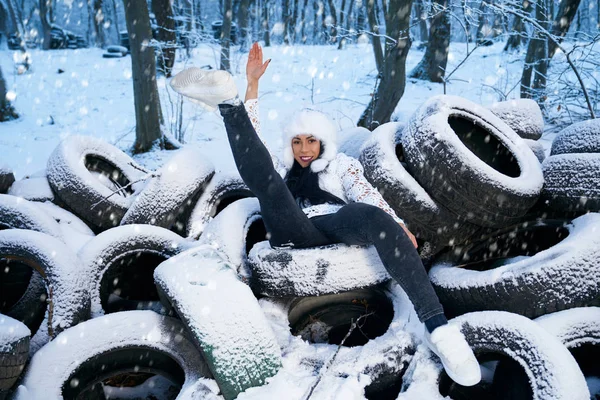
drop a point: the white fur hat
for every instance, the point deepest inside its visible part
(311, 122)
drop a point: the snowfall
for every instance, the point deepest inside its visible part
(77, 92)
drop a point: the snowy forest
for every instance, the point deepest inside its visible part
(455, 161)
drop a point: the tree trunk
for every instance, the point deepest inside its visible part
(226, 35)
(7, 111)
(518, 36)
(98, 24)
(17, 22)
(166, 35)
(316, 36)
(116, 19)
(45, 5)
(484, 28)
(333, 31)
(285, 16)
(361, 18)
(293, 21)
(342, 41)
(466, 10)
(562, 22)
(422, 21)
(536, 51)
(303, 22)
(243, 19)
(266, 27)
(391, 86)
(148, 115)
(433, 64)
(375, 38)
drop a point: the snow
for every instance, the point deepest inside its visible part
(11, 331)
(573, 327)
(34, 188)
(16, 212)
(55, 362)
(580, 137)
(524, 116)
(351, 140)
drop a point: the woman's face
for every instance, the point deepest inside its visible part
(306, 149)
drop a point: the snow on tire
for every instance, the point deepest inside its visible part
(93, 178)
(224, 318)
(7, 178)
(222, 190)
(524, 116)
(172, 190)
(314, 271)
(18, 213)
(80, 358)
(66, 282)
(309, 345)
(121, 263)
(580, 137)
(14, 350)
(572, 183)
(34, 187)
(383, 161)
(538, 149)
(351, 140)
(579, 330)
(470, 161)
(234, 232)
(551, 371)
(531, 269)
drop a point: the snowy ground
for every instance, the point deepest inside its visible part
(94, 95)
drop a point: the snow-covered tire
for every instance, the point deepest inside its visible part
(224, 318)
(23, 294)
(524, 116)
(6, 178)
(222, 190)
(75, 170)
(384, 167)
(234, 232)
(14, 350)
(532, 269)
(66, 282)
(33, 187)
(382, 355)
(572, 183)
(18, 213)
(87, 354)
(538, 149)
(552, 372)
(314, 271)
(121, 263)
(351, 140)
(113, 55)
(117, 49)
(470, 161)
(580, 137)
(579, 330)
(172, 191)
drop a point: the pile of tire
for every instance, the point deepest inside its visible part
(61, 38)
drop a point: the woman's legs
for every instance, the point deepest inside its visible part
(284, 220)
(363, 224)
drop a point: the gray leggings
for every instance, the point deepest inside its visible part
(353, 224)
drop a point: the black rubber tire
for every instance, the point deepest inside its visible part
(7, 178)
(14, 351)
(117, 49)
(33, 187)
(121, 263)
(172, 191)
(66, 282)
(234, 232)
(470, 161)
(524, 116)
(550, 369)
(351, 140)
(551, 277)
(140, 341)
(87, 197)
(538, 149)
(227, 325)
(579, 330)
(314, 271)
(222, 190)
(18, 213)
(113, 55)
(23, 294)
(580, 137)
(572, 183)
(382, 157)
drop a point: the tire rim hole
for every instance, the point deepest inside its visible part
(109, 175)
(114, 371)
(227, 199)
(14, 279)
(502, 378)
(256, 233)
(512, 245)
(485, 145)
(329, 318)
(128, 283)
(587, 356)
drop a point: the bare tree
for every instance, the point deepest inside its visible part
(392, 77)
(166, 35)
(285, 20)
(422, 20)
(97, 19)
(518, 36)
(7, 111)
(265, 23)
(303, 22)
(375, 38)
(243, 17)
(45, 7)
(433, 64)
(116, 18)
(333, 14)
(226, 35)
(148, 114)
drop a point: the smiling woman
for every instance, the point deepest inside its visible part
(306, 148)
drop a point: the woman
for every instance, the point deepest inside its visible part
(316, 197)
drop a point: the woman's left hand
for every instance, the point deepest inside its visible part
(412, 237)
(255, 67)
